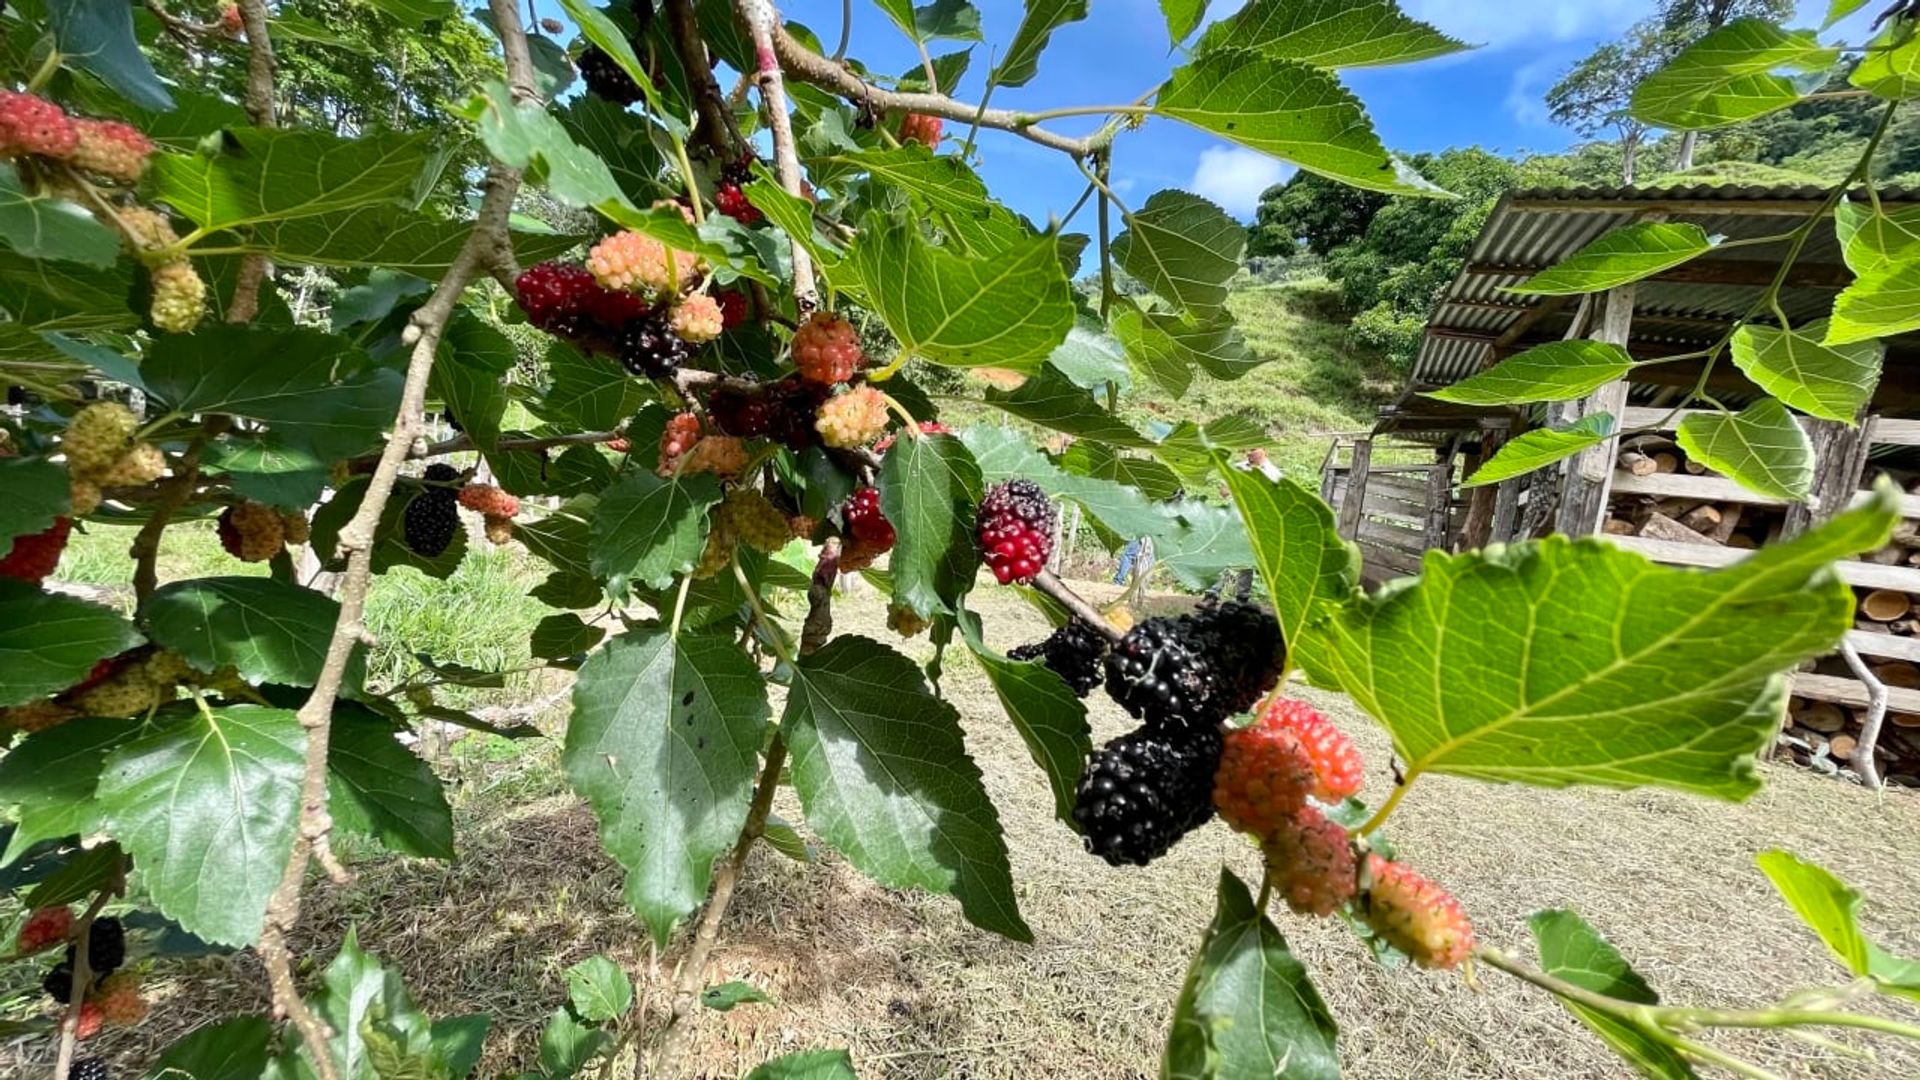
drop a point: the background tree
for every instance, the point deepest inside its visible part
(1593, 96)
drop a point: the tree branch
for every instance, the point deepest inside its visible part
(482, 249)
(245, 303)
(146, 544)
(810, 67)
(82, 975)
(1048, 583)
(763, 23)
(716, 123)
(819, 625)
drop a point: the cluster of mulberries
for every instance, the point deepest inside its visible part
(1016, 522)
(632, 300)
(868, 533)
(606, 79)
(128, 685)
(252, 532)
(103, 453)
(1182, 677)
(111, 996)
(783, 411)
(496, 507)
(852, 419)
(1076, 652)
(827, 350)
(30, 558)
(922, 129)
(729, 199)
(432, 518)
(754, 521)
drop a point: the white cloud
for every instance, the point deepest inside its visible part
(1503, 23)
(1526, 99)
(1234, 177)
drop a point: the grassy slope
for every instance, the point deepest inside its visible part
(1313, 384)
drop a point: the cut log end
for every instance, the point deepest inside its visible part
(1886, 605)
(1822, 716)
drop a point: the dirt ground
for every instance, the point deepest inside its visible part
(916, 993)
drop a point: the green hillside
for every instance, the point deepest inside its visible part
(1315, 381)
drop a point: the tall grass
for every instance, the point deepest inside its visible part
(481, 617)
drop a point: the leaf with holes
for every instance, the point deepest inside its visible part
(1293, 111)
(1626, 254)
(1831, 909)
(1573, 951)
(1050, 717)
(1762, 446)
(1556, 371)
(50, 642)
(664, 744)
(1542, 447)
(269, 630)
(1184, 248)
(1729, 76)
(1829, 382)
(1330, 33)
(1563, 662)
(206, 804)
(598, 990)
(1248, 1009)
(1297, 548)
(884, 775)
(1008, 311)
(648, 529)
(40, 226)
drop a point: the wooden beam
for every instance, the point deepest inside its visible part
(1589, 477)
(1851, 692)
(1439, 504)
(1885, 432)
(1487, 305)
(1839, 460)
(1707, 272)
(1506, 510)
(1504, 341)
(1853, 572)
(1353, 504)
(1891, 646)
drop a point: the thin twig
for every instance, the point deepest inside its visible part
(810, 67)
(1048, 583)
(170, 495)
(819, 625)
(82, 975)
(1862, 759)
(245, 303)
(716, 121)
(482, 248)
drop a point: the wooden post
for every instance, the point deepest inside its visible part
(1506, 510)
(1353, 504)
(1839, 459)
(1477, 530)
(1439, 504)
(1330, 472)
(1589, 478)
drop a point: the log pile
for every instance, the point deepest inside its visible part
(1819, 734)
(1686, 520)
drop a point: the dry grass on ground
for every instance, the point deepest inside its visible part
(917, 993)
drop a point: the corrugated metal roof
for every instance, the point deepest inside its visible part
(1532, 229)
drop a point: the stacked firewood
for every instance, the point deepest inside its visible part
(1684, 520)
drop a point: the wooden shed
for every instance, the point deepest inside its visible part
(1397, 488)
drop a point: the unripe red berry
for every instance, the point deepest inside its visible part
(1016, 522)
(32, 557)
(30, 124)
(1415, 915)
(826, 349)
(922, 129)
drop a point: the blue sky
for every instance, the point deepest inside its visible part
(1490, 97)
